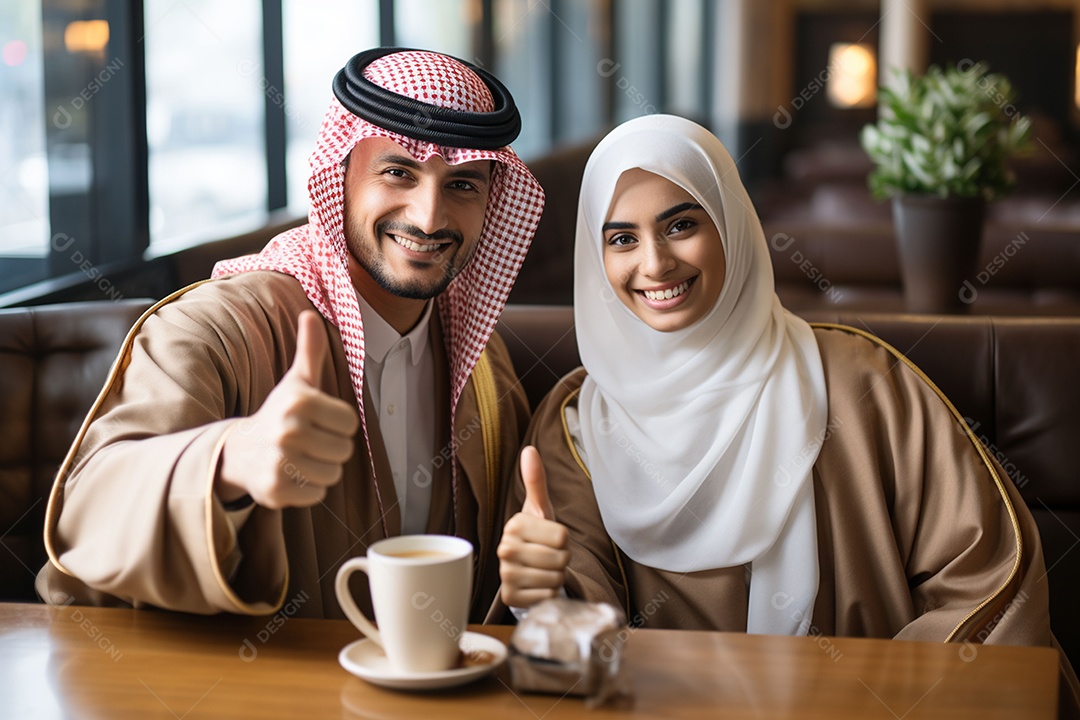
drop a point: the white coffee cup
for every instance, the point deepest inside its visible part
(420, 590)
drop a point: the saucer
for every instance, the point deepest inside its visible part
(367, 661)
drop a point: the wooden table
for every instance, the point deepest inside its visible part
(107, 663)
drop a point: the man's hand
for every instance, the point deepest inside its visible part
(293, 448)
(533, 555)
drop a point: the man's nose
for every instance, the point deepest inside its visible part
(427, 209)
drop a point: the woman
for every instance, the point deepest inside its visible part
(719, 464)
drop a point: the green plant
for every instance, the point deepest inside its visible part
(948, 133)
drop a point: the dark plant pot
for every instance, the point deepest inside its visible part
(938, 240)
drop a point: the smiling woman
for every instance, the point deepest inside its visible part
(727, 361)
(663, 254)
(720, 453)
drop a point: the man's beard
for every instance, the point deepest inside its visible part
(367, 254)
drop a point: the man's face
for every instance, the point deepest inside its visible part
(413, 226)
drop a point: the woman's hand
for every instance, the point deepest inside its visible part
(532, 554)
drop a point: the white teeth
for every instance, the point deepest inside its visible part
(415, 247)
(667, 294)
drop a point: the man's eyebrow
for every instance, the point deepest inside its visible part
(464, 174)
(414, 164)
(680, 208)
(398, 159)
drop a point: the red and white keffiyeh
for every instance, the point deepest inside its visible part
(316, 253)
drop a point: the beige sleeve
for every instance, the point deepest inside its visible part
(512, 419)
(970, 546)
(133, 514)
(594, 573)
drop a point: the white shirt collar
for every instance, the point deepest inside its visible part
(380, 338)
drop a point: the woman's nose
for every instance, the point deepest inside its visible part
(658, 259)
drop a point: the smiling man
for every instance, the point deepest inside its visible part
(410, 226)
(341, 386)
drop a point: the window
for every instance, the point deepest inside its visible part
(521, 31)
(319, 39)
(204, 119)
(638, 76)
(56, 118)
(688, 90)
(131, 129)
(581, 42)
(24, 180)
(447, 26)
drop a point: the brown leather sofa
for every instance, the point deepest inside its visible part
(53, 363)
(1022, 270)
(1013, 379)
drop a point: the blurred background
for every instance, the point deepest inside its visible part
(137, 136)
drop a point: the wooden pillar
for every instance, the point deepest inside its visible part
(752, 77)
(905, 32)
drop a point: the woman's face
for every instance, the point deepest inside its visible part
(662, 252)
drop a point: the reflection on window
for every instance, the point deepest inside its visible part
(520, 63)
(579, 32)
(686, 59)
(204, 87)
(24, 184)
(636, 74)
(319, 39)
(446, 26)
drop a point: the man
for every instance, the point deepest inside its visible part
(261, 428)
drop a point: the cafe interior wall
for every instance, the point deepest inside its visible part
(1033, 42)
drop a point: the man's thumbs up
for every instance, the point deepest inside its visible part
(537, 501)
(295, 446)
(312, 348)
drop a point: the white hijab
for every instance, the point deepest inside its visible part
(700, 442)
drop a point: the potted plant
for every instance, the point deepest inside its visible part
(940, 149)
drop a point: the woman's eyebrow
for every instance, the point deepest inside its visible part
(680, 208)
(670, 212)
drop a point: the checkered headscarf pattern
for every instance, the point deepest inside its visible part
(432, 78)
(315, 253)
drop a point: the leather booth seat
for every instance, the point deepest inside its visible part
(53, 363)
(1012, 379)
(1021, 271)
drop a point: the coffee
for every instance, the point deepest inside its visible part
(422, 607)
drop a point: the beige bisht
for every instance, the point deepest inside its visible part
(132, 517)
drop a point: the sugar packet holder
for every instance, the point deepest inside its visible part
(569, 647)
